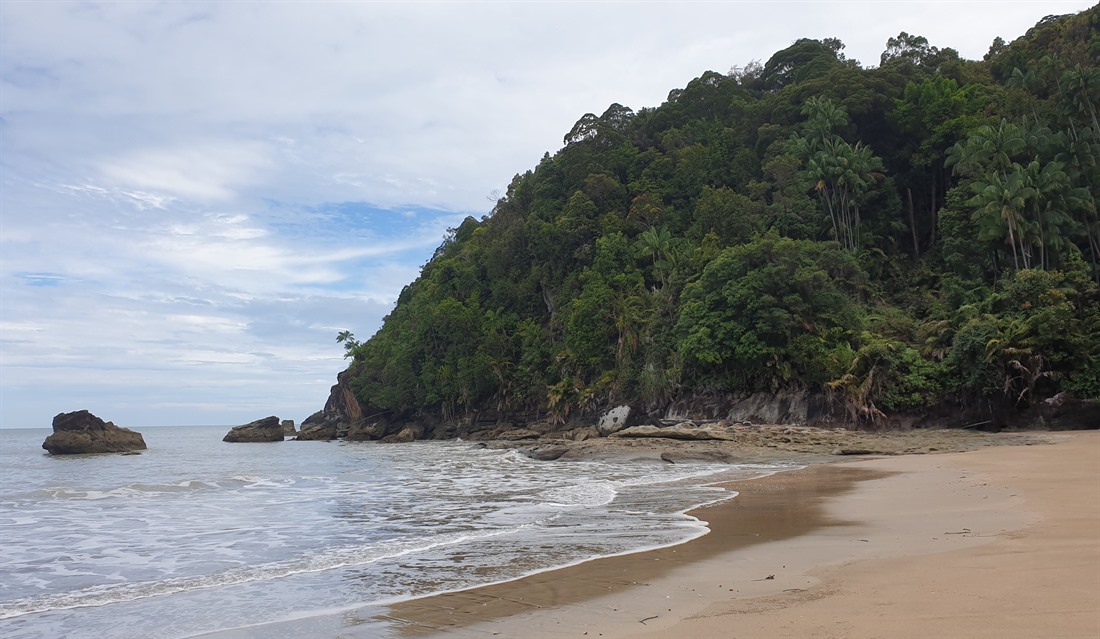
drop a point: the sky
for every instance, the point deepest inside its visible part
(195, 198)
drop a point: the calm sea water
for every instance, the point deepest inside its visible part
(196, 535)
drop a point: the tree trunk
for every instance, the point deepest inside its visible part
(913, 224)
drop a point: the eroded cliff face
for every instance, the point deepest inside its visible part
(340, 414)
(344, 417)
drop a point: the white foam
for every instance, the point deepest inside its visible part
(102, 595)
(587, 494)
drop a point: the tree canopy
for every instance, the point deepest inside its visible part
(902, 236)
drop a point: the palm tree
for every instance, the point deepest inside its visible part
(1001, 202)
(842, 173)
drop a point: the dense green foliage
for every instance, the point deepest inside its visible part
(901, 236)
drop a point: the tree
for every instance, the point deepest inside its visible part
(1001, 201)
(771, 313)
(841, 173)
(350, 343)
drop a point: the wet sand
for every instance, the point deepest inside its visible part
(998, 542)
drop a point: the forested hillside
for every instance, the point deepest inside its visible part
(918, 234)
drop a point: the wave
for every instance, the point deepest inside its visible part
(139, 489)
(102, 595)
(587, 494)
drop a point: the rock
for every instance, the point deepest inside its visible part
(783, 407)
(546, 453)
(268, 429)
(340, 414)
(366, 431)
(317, 427)
(1065, 412)
(409, 433)
(82, 432)
(288, 427)
(613, 420)
(516, 434)
(686, 431)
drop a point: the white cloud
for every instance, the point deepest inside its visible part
(211, 171)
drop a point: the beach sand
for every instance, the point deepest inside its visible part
(998, 542)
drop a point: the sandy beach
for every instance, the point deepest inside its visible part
(997, 542)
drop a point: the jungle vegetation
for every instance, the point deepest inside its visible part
(902, 236)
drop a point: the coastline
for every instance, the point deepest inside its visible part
(996, 542)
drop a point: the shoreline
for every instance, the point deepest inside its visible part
(753, 516)
(783, 556)
(948, 545)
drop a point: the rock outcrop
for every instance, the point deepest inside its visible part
(268, 429)
(288, 427)
(685, 430)
(1064, 412)
(341, 412)
(82, 432)
(783, 407)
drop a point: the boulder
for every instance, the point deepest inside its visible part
(613, 420)
(82, 432)
(409, 433)
(318, 427)
(363, 431)
(268, 429)
(546, 452)
(288, 427)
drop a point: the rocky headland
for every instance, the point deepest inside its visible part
(794, 426)
(82, 432)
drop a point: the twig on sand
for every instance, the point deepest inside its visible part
(643, 621)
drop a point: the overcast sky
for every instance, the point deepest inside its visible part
(196, 198)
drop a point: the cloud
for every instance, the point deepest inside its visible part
(203, 172)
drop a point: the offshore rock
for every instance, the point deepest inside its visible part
(82, 432)
(268, 429)
(288, 427)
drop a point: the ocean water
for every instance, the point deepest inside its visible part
(196, 535)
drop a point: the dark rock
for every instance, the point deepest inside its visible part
(366, 431)
(1065, 412)
(317, 432)
(82, 432)
(288, 427)
(268, 429)
(546, 453)
(409, 433)
(783, 407)
(318, 427)
(341, 414)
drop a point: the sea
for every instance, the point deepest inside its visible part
(196, 535)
